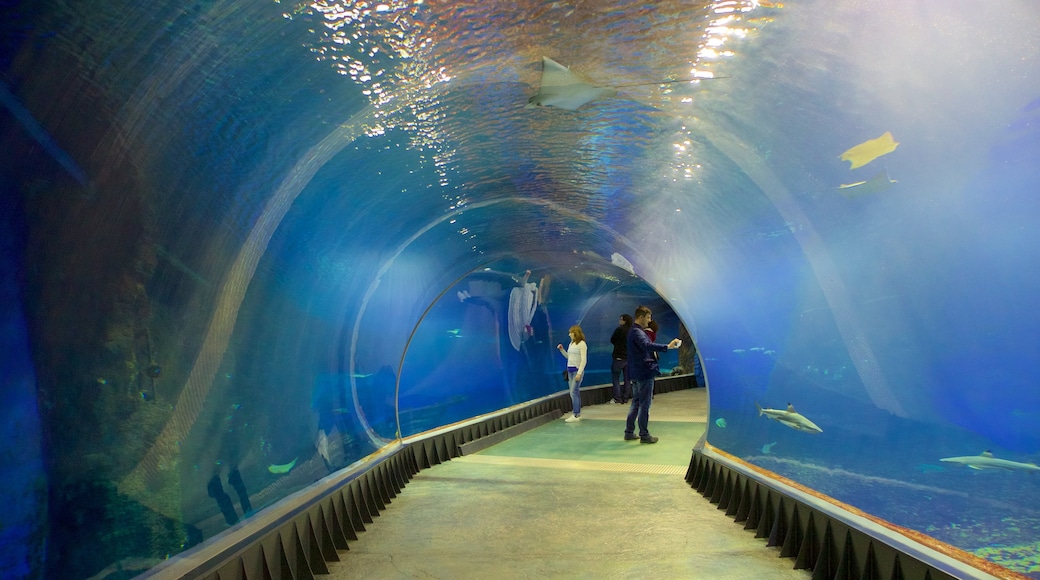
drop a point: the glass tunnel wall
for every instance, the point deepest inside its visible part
(897, 322)
(247, 244)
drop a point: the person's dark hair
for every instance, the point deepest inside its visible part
(652, 325)
(642, 311)
(626, 320)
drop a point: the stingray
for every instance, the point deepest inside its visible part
(876, 184)
(868, 151)
(563, 89)
(622, 262)
(523, 301)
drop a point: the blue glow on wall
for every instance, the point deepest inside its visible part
(249, 244)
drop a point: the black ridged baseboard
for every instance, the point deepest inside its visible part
(599, 394)
(814, 538)
(496, 438)
(295, 538)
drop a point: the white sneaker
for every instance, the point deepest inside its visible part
(572, 419)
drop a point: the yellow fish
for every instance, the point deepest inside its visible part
(284, 468)
(868, 151)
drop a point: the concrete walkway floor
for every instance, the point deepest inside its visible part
(567, 500)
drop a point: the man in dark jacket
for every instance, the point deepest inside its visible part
(619, 364)
(642, 368)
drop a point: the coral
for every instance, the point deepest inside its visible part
(1023, 558)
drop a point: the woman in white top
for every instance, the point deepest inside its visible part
(576, 354)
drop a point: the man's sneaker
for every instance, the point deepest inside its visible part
(648, 439)
(630, 437)
(572, 419)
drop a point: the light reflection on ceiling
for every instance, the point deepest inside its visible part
(448, 76)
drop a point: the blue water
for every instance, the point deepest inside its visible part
(24, 485)
(248, 244)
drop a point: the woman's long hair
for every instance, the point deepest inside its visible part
(578, 334)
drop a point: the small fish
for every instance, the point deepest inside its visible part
(738, 350)
(284, 468)
(768, 447)
(455, 333)
(721, 423)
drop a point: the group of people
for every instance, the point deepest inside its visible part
(635, 354)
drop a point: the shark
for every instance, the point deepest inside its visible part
(790, 417)
(985, 460)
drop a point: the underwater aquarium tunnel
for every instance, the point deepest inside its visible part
(249, 250)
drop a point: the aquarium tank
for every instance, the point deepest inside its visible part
(247, 244)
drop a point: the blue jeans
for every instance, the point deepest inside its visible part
(698, 372)
(622, 391)
(575, 392)
(642, 394)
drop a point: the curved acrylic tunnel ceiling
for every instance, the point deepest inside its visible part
(540, 186)
(304, 183)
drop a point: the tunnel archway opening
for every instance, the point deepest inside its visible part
(472, 326)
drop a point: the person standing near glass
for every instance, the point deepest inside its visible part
(651, 331)
(619, 360)
(642, 364)
(577, 355)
